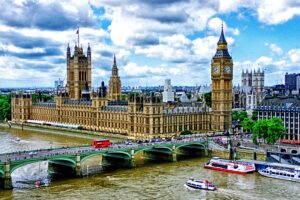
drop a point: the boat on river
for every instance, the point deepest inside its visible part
(281, 173)
(199, 185)
(237, 167)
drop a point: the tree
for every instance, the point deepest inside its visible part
(235, 115)
(275, 130)
(5, 108)
(254, 115)
(242, 115)
(207, 98)
(269, 130)
(259, 131)
(186, 132)
(247, 124)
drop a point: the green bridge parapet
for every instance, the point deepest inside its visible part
(76, 155)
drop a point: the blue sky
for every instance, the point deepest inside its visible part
(153, 40)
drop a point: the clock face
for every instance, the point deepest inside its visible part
(227, 69)
(216, 69)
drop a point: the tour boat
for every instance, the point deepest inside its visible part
(281, 173)
(237, 167)
(199, 185)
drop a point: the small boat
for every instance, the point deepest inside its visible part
(39, 183)
(283, 173)
(17, 139)
(237, 167)
(199, 185)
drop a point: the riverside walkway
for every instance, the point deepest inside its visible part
(119, 154)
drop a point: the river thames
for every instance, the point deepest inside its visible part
(148, 181)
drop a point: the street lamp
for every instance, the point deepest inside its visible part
(228, 137)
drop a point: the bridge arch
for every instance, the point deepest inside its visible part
(90, 156)
(191, 144)
(14, 167)
(152, 147)
(118, 152)
(294, 151)
(283, 150)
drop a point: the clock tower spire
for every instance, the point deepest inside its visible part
(221, 76)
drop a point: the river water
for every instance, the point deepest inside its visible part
(150, 181)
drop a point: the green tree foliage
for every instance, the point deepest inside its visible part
(235, 115)
(242, 115)
(186, 132)
(254, 115)
(247, 124)
(207, 98)
(269, 130)
(34, 98)
(46, 97)
(124, 97)
(260, 130)
(5, 108)
(41, 97)
(275, 130)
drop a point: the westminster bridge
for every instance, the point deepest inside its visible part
(69, 160)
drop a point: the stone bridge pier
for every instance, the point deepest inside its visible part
(5, 180)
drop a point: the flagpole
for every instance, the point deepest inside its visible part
(78, 36)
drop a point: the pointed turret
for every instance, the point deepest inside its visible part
(222, 39)
(68, 51)
(114, 83)
(75, 50)
(89, 50)
(114, 67)
(222, 51)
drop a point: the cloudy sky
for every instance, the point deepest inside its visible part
(152, 39)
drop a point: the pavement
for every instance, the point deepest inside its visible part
(45, 153)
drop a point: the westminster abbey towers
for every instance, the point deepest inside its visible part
(221, 76)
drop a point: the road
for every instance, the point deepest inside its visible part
(44, 153)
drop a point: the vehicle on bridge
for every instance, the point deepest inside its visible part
(290, 142)
(101, 143)
(281, 173)
(237, 167)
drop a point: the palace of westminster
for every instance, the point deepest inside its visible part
(141, 116)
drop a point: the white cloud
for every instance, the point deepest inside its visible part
(294, 55)
(274, 48)
(215, 24)
(132, 69)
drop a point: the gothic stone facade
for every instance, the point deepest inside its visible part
(139, 117)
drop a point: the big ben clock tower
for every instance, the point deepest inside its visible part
(221, 76)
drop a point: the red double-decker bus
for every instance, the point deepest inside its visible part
(101, 143)
(290, 142)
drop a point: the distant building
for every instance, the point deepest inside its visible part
(58, 83)
(298, 83)
(286, 108)
(290, 81)
(251, 93)
(168, 94)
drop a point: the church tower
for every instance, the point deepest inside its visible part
(221, 76)
(114, 93)
(78, 71)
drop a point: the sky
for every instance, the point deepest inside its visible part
(153, 39)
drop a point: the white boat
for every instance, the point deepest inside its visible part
(281, 173)
(237, 167)
(17, 139)
(199, 185)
